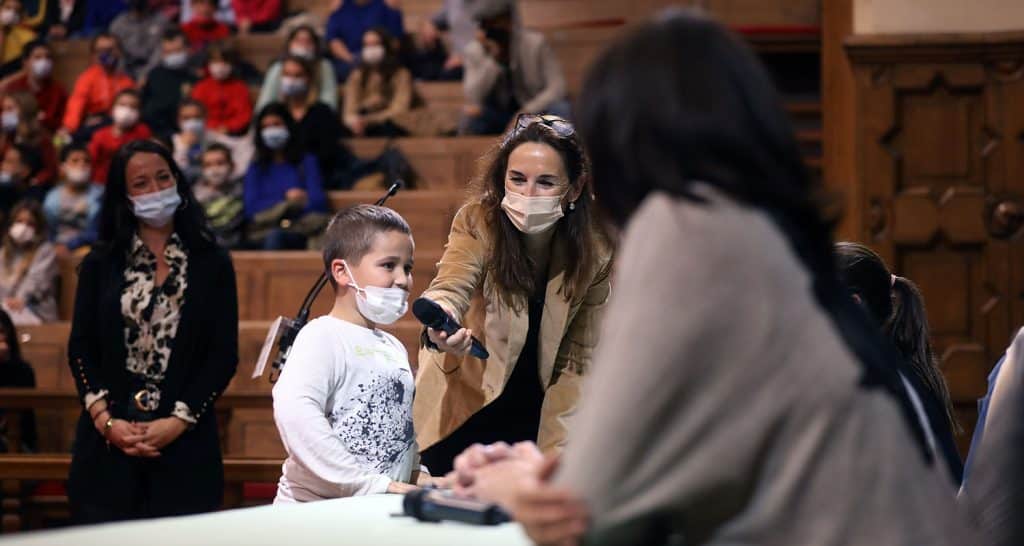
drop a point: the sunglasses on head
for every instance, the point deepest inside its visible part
(559, 126)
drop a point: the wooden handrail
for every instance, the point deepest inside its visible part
(14, 398)
(55, 466)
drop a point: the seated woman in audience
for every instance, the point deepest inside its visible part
(167, 83)
(318, 128)
(139, 29)
(348, 23)
(14, 35)
(257, 15)
(203, 29)
(304, 43)
(125, 128)
(28, 267)
(19, 124)
(36, 77)
(74, 205)
(153, 345)
(897, 307)
(95, 90)
(224, 94)
(285, 203)
(220, 194)
(19, 166)
(15, 372)
(738, 395)
(379, 90)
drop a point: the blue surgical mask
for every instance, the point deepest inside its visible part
(275, 137)
(157, 208)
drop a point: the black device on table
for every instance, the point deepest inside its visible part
(435, 505)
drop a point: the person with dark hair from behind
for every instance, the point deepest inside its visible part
(95, 89)
(153, 345)
(220, 194)
(15, 372)
(738, 394)
(508, 70)
(896, 306)
(139, 29)
(28, 267)
(19, 166)
(72, 208)
(304, 43)
(36, 77)
(285, 203)
(378, 90)
(167, 84)
(126, 127)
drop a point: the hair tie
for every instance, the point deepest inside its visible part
(892, 281)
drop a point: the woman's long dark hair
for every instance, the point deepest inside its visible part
(897, 306)
(680, 101)
(10, 333)
(118, 223)
(292, 150)
(510, 266)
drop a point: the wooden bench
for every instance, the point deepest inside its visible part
(26, 507)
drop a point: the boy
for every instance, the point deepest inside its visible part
(167, 84)
(220, 195)
(343, 403)
(125, 128)
(73, 206)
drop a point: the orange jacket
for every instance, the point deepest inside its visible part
(93, 93)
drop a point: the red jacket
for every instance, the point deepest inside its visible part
(104, 145)
(228, 107)
(257, 11)
(200, 33)
(50, 96)
(94, 93)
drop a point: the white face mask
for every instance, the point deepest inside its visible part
(175, 60)
(293, 87)
(532, 214)
(8, 17)
(301, 52)
(77, 175)
(125, 116)
(156, 209)
(220, 70)
(216, 175)
(42, 68)
(21, 233)
(379, 305)
(9, 121)
(373, 54)
(196, 126)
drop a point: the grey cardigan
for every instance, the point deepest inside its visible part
(741, 421)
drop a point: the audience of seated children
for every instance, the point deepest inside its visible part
(223, 93)
(348, 23)
(379, 89)
(203, 29)
(125, 128)
(303, 42)
(95, 89)
(343, 404)
(139, 29)
(19, 124)
(28, 267)
(167, 83)
(220, 194)
(285, 203)
(72, 207)
(36, 77)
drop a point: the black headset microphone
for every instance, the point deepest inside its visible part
(290, 328)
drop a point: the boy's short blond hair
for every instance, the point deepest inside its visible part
(350, 233)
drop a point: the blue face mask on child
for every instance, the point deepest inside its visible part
(379, 305)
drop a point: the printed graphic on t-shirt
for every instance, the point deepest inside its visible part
(376, 424)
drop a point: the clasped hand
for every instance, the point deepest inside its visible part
(143, 439)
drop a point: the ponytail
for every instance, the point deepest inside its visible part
(907, 327)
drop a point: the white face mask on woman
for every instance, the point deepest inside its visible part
(21, 233)
(373, 54)
(379, 305)
(157, 208)
(532, 214)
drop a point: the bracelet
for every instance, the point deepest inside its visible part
(107, 426)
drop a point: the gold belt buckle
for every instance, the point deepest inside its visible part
(141, 400)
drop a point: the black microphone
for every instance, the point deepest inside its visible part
(433, 316)
(434, 505)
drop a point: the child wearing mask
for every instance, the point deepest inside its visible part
(126, 128)
(379, 90)
(194, 136)
(203, 29)
(303, 43)
(343, 404)
(95, 90)
(19, 166)
(167, 84)
(14, 35)
(220, 194)
(28, 267)
(19, 124)
(285, 202)
(36, 77)
(72, 207)
(223, 93)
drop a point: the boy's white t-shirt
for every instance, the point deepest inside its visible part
(343, 407)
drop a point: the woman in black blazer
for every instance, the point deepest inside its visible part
(154, 342)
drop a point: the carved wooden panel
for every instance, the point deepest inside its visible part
(939, 142)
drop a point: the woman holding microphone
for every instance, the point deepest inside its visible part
(526, 266)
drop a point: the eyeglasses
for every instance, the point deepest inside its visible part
(559, 126)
